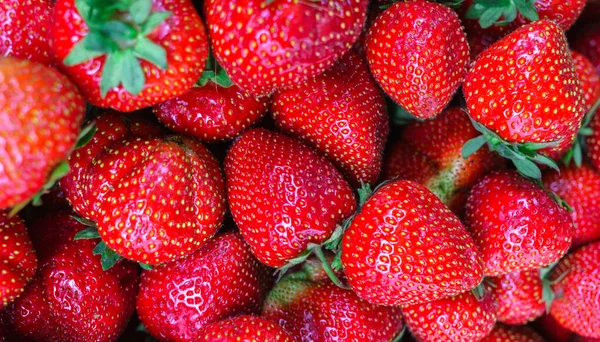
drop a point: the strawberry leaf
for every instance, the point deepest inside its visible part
(154, 19)
(133, 77)
(527, 9)
(88, 233)
(207, 75)
(140, 10)
(80, 53)
(148, 50)
(145, 266)
(84, 221)
(400, 335)
(490, 16)
(527, 168)
(118, 30)
(111, 72)
(473, 145)
(108, 257)
(86, 135)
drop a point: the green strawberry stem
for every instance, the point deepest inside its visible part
(547, 294)
(400, 335)
(576, 152)
(327, 268)
(489, 12)
(215, 73)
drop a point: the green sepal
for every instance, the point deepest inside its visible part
(473, 145)
(489, 12)
(133, 78)
(151, 52)
(220, 78)
(207, 75)
(576, 151)
(140, 10)
(111, 72)
(86, 135)
(108, 257)
(88, 233)
(401, 116)
(479, 291)
(154, 19)
(400, 335)
(145, 266)
(84, 221)
(281, 271)
(80, 53)
(118, 30)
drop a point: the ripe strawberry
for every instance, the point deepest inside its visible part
(24, 29)
(268, 45)
(576, 288)
(418, 53)
(340, 113)
(220, 280)
(593, 140)
(405, 247)
(536, 105)
(590, 80)
(129, 55)
(516, 224)
(519, 296)
(40, 114)
(19, 260)
(244, 328)
(588, 44)
(580, 187)
(283, 195)
(549, 328)
(512, 333)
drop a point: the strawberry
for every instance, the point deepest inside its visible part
(580, 187)
(244, 328)
(340, 113)
(405, 247)
(519, 295)
(314, 309)
(40, 114)
(24, 30)
(516, 224)
(129, 55)
(590, 80)
(536, 105)
(549, 328)
(266, 45)
(592, 141)
(418, 53)
(220, 280)
(588, 44)
(283, 196)
(576, 288)
(511, 333)
(19, 258)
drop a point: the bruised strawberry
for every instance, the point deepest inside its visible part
(220, 280)
(511, 333)
(519, 296)
(244, 328)
(341, 113)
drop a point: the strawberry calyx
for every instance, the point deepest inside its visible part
(215, 73)
(576, 152)
(401, 116)
(400, 335)
(489, 12)
(119, 30)
(547, 294)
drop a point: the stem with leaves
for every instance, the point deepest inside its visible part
(489, 12)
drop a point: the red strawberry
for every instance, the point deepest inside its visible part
(516, 224)
(25, 29)
(576, 285)
(590, 80)
(588, 44)
(548, 327)
(511, 333)
(341, 113)
(593, 140)
(129, 55)
(19, 260)
(264, 46)
(536, 102)
(405, 247)
(580, 188)
(519, 295)
(211, 112)
(418, 53)
(220, 280)
(40, 114)
(283, 195)
(244, 328)
(464, 317)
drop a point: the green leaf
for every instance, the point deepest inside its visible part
(84, 221)
(364, 192)
(474, 11)
(222, 79)
(541, 159)
(490, 17)
(510, 13)
(401, 116)
(527, 9)
(586, 131)
(148, 50)
(132, 75)
(88, 233)
(112, 72)
(140, 10)
(118, 30)
(86, 135)
(577, 155)
(155, 19)
(400, 335)
(473, 145)
(145, 266)
(96, 42)
(84, 9)
(206, 76)
(108, 257)
(80, 53)
(527, 168)
(533, 146)
(141, 328)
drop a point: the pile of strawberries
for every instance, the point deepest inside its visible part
(300, 170)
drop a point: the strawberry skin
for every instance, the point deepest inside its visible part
(590, 80)
(283, 195)
(220, 280)
(576, 287)
(519, 296)
(211, 112)
(405, 247)
(511, 333)
(418, 53)
(593, 141)
(516, 225)
(40, 114)
(264, 46)
(19, 258)
(342, 114)
(244, 328)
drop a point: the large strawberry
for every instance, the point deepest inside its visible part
(512, 333)
(405, 247)
(516, 224)
(418, 53)
(128, 55)
(525, 97)
(244, 328)
(266, 45)
(283, 195)
(341, 113)
(220, 280)
(19, 259)
(40, 114)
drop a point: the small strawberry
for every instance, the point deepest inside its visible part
(266, 45)
(40, 114)
(341, 113)
(418, 53)
(588, 44)
(405, 247)
(549, 328)
(519, 296)
(244, 328)
(19, 260)
(283, 196)
(512, 333)
(220, 280)
(516, 224)
(129, 55)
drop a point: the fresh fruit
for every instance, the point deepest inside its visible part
(576, 288)
(536, 104)
(275, 44)
(519, 296)
(418, 53)
(220, 280)
(283, 196)
(590, 80)
(405, 247)
(341, 113)
(512, 333)
(244, 328)
(40, 114)
(19, 260)
(580, 188)
(588, 44)
(128, 55)
(516, 224)
(593, 141)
